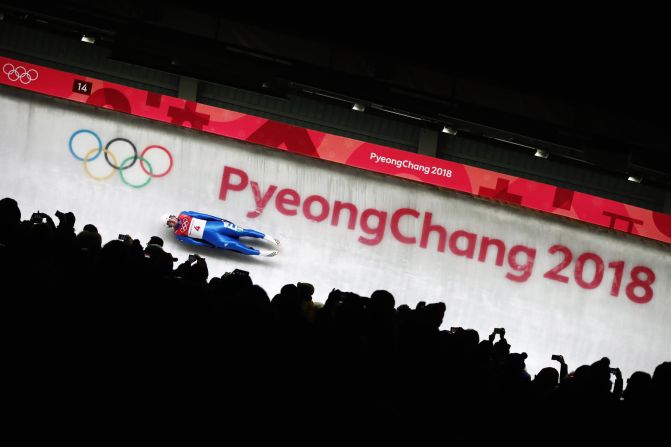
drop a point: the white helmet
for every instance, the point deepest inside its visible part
(165, 218)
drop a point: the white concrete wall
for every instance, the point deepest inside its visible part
(542, 316)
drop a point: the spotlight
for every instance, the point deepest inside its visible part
(358, 107)
(635, 179)
(449, 130)
(88, 39)
(541, 153)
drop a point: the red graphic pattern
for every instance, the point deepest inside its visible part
(110, 98)
(153, 99)
(277, 135)
(628, 221)
(500, 192)
(468, 179)
(563, 199)
(188, 115)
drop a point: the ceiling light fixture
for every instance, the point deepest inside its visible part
(541, 153)
(449, 130)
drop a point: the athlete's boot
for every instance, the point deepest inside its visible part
(271, 239)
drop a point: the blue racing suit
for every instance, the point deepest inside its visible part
(209, 231)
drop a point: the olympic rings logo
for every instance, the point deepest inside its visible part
(19, 73)
(94, 152)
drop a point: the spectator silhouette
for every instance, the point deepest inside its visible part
(89, 240)
(10, 220)
(639, 390)
(113, 328)
(544, 384)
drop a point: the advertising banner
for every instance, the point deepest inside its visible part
(371, 157)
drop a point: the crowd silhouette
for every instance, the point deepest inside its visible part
(97, 330)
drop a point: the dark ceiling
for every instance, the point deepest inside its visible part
(593, 89)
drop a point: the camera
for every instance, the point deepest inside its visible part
(37, 217)
(122, 237)
(556, 357)
(456, 329)
(59, 214)
(240, 272)
(614, 370)
(499, 330)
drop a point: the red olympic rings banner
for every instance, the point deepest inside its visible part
(371, 157)
(19, 73)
